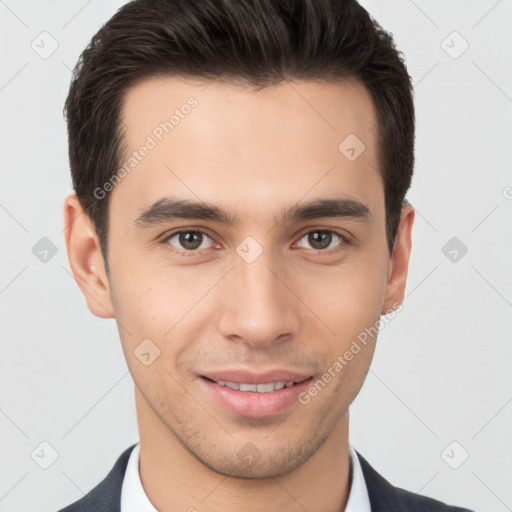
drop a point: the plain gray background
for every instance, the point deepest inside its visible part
(439, 388)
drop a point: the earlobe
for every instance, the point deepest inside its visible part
(399, 263)
(85, 258)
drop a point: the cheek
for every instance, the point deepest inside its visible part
(153, 304)
(348, 298)
(350, 306)
(154, 296)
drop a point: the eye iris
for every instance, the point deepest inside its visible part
(185, 239)
(324, 238)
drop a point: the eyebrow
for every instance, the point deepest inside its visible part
(169, 209)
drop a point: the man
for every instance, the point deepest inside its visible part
(240, 170)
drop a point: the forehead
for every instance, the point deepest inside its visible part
(236, 147)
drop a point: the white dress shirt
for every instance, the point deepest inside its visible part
(134, 498)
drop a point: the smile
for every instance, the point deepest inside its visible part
(256, 388)
(255, 400)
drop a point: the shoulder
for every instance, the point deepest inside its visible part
(106, 496)
(386, 497)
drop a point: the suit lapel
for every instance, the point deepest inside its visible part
(383, 496)
(106, 496)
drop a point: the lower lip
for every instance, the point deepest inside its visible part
(255, 405)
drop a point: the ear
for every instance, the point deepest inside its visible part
(399, 262)
(85, 258)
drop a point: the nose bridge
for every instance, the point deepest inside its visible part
(259, 307)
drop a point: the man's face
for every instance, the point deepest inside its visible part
(267, 292)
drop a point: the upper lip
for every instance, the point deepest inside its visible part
(243, 376)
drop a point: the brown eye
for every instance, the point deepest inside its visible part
(320, 240)
(188, 240)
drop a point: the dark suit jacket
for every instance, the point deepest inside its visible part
(384, 497)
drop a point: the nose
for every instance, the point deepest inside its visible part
(260, 306)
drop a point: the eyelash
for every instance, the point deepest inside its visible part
(195, 252)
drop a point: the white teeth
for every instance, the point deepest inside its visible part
(248, 387)
(256, 388)
(265, 388)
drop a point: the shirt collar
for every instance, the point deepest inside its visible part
(134, 498)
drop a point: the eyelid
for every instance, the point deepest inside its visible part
(340, 232)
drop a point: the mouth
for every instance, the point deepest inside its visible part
(255, 399)
(263, 387)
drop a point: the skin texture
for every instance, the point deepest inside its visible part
(295, 307)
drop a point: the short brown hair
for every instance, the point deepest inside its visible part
(254, 42)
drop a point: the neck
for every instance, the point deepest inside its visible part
(174, 479)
